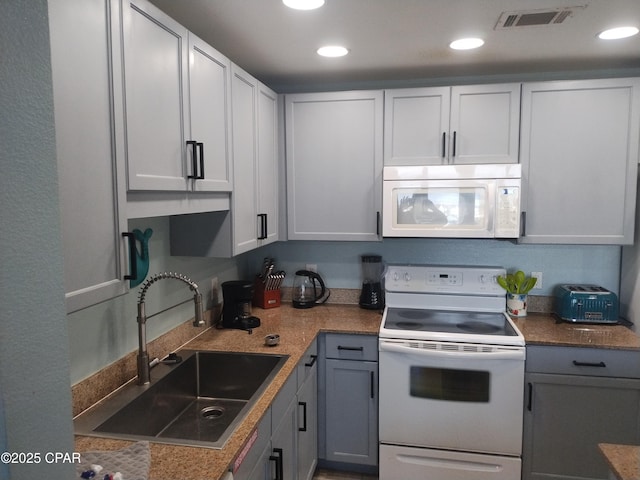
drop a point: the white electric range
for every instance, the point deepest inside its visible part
(451, 376)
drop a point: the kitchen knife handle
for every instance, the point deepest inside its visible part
(589, 364)
(303, 428)
(133, 265)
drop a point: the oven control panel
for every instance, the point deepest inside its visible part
(443, 279)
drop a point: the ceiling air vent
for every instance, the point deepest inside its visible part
(536, 18)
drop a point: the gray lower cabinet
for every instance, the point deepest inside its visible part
(349, 394)
(576, 398)
(285, 443)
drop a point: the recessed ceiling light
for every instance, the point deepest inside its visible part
(466, 43)
(332, 51)
(619, 32)
(303, 4)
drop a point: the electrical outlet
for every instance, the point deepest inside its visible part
(538, 284)
(312, 267)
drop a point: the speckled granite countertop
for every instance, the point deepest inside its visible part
(624, 460)
(543, 329)
(297, 329)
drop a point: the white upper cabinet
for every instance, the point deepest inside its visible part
(86, 55)
(580, 161)
(441, 125)
(177, 96)
(334, 165)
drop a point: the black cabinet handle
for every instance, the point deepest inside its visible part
(373, 385)
(263, 226)
(194, 158)
(312, 362)
(352, 349)
(378, 223)
(303, 428)
(133, 265)
(523, 224)
(279, 463)
(200, 176)
(589, 364)
(444, 144)
(197, 159)
(455, 134)
(530, 396)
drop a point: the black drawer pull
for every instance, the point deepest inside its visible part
(351, 349)
(312, 362)
(589, 364)
(303, 428)
(530, 397)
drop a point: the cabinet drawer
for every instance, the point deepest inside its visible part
(352, 347)
(308, 363)
(583, 361)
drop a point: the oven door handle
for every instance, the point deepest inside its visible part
(499, 355)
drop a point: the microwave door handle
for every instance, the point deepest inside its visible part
(500, 355)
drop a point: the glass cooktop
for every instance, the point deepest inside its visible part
(457, 322)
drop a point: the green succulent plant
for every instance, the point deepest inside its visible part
(517, 282)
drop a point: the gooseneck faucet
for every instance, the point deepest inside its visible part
(144, 368)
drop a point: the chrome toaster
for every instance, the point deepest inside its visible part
(585, 304)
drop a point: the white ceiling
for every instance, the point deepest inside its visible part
(405, 40)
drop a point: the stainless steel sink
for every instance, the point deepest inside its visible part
(199, 401)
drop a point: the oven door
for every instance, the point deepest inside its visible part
(452, 396)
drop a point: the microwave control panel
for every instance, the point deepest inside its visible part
(507, 219)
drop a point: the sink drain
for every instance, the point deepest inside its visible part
(212, 412)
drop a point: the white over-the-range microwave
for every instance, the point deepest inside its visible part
(452, 201)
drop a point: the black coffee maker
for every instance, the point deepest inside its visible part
(236, 310)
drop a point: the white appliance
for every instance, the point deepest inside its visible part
(451, 373)
(466, 201)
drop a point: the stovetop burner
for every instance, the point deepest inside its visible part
(456, 322)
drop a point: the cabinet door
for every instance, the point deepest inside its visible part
(567, 416)
(156, 77)
(210, 112)
(580, 160)
(416, 126)
(351, 411)
(485, 124)
(308, 426)
(90, 148)
(267, 169)
(334, 165)
(244, 91)
(283, 446)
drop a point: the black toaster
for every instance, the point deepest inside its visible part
(585, 304)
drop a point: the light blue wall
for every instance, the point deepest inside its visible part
(339, 262)
(34, 359)
(101, 334)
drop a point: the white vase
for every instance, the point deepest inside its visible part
(517, 304)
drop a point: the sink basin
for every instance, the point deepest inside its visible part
(199, 401)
